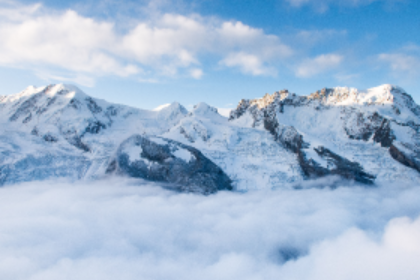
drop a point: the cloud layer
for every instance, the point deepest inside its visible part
(122, 230)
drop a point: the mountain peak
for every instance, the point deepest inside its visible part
(65, 90)
(161, 107)
(204, 109)
(384, 94)
(268, 99)
(170, 107)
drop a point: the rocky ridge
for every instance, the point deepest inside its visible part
(385, 115)
(272, 142)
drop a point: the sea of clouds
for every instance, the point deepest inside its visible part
(119, 229)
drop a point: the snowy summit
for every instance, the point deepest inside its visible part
(277, 141)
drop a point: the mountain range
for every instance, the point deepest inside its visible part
(277, 141)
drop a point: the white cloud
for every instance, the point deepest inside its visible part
(323, 5)
(405, 65)
(241, 37)
(121, 230)
(359, 255)
(319, 64)
(247, 63)
(14, 11)
(68, 40)
(169, 44)
(196, 73)
(79, 79)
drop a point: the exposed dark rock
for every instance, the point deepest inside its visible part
(77, 142)
(291, 139)
(93, 107)
(240, 109)
(28, 118)
(183, 132)
(411, 160)
(111, 111)
(396, 110)
(25, 108)
(384, 134)
(338, 165)
(35, 131)
(344, 167)
(156, 161)
(94, 127)
(310, 167)
(358, 126)
(50, 102)
(50, 138)
(74, 103)
(74, 139)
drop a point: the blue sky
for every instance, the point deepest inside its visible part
(146, 53)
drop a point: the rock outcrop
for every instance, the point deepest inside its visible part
(168, 161)
(301, 123)
(276, 141)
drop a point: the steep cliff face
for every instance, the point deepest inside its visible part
(335, 131)
(163, 160)
(276, 141)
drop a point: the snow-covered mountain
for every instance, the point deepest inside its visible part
(272, 142)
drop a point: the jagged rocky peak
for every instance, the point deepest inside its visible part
(365, 136)
(267, 103)
(332, 118)
(268, 99)
(395, 102)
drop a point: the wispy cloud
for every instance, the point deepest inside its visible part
(324, 5)
(320, 64)
(403, 63)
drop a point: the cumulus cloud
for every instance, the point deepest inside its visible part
(34, 36)
(319, 64)
(68, 41)
(125, 230)
(357, 254)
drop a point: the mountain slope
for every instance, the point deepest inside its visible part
(275, 141)
(343, 131)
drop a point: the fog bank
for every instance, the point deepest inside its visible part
(122, 230)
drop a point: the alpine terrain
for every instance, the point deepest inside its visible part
(276, 141)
